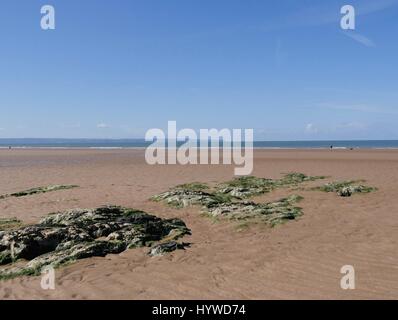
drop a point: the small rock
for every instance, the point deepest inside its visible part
(162, 248)
(345, 192)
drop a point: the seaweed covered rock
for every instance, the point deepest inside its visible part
(228, 199)
(349, 190)
(38, 190)
(239, 188)
(245, 187)
(272, 213)
(181, 198)
(249, 186)
(186, 195)
(67, 236)
(295, 178)
(346, 188)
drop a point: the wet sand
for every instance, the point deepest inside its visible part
(298, 260)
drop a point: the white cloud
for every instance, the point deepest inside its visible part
(360, 39)
(357, 107)
(311, 128)
(70, 125)
(351, 125)
(323, 14)
(103, 125)
(375, 6)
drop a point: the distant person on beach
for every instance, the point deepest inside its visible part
(331, 147)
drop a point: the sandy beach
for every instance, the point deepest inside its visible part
(300, 259)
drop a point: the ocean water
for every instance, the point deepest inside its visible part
(140, 143)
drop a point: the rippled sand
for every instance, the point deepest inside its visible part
(298, 260)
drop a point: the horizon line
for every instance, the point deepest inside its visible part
(143, 139)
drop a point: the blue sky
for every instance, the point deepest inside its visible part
(113, 69)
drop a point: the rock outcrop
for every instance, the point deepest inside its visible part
(228, 199)
(249, 186)
(238, 189)
(64, 237)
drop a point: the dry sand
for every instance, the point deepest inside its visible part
(298, 260)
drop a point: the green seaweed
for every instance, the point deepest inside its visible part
(294, 178)
(271, 213)
(38, 190)
(195, 186)
(181, 198)
(9, 223)
(245, 187)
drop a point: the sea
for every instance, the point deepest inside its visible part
(141, 143)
